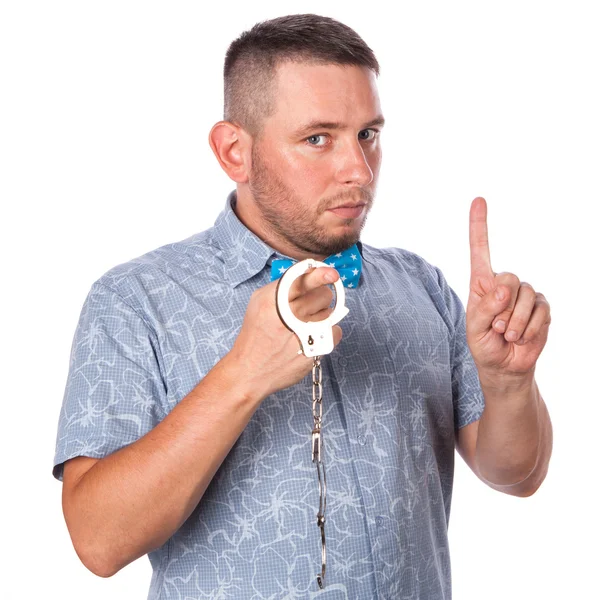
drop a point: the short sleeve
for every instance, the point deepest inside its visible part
(114, 393)
(467, 397)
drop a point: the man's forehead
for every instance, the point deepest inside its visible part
(326, 95)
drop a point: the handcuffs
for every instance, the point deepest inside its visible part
(316, 339)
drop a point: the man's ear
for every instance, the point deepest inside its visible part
(232, 147)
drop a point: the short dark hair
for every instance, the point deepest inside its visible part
(252, 59)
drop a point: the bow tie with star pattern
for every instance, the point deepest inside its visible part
(347, 263)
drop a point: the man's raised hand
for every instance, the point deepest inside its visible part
(507, 321)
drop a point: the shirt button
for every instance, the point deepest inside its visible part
(342, 361)
(379, 521)
(362, 440)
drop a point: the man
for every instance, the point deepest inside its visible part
(186, 426)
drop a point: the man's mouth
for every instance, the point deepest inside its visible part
(348, 211)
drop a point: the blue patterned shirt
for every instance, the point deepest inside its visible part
(395, 389)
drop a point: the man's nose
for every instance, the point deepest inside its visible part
(353, 166)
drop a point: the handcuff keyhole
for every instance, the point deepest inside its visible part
(310, 340)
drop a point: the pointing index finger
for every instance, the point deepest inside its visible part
(478, 239)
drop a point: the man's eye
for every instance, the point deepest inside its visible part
(370, 134)
(315, 137)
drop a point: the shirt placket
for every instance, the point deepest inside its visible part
(376, 516)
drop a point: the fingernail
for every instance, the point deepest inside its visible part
(500, 293)
(500, 325)
(511, 336)
(329, 277)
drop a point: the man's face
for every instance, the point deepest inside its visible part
(320, 150)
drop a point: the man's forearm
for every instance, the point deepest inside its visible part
(514, 440)
(132, 501)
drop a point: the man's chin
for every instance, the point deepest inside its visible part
(336, 245)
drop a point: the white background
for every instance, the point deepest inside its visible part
(105, 110)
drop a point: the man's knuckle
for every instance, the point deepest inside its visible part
(527, 292)
(509, 279)
(512, 280)
(518, 323)
(527, 288)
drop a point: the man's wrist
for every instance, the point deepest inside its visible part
(232, 370)
(502, 383)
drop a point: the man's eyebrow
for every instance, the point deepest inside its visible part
(314, 125)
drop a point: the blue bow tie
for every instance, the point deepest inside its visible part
(347, 263)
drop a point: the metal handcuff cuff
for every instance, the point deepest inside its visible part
(316, 339)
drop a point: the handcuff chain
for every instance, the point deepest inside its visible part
(316, 340)
(317, 458)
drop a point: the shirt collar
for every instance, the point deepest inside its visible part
(244, 253)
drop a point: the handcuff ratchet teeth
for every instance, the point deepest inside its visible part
(316, 337)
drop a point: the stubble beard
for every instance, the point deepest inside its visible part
(288, 220)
